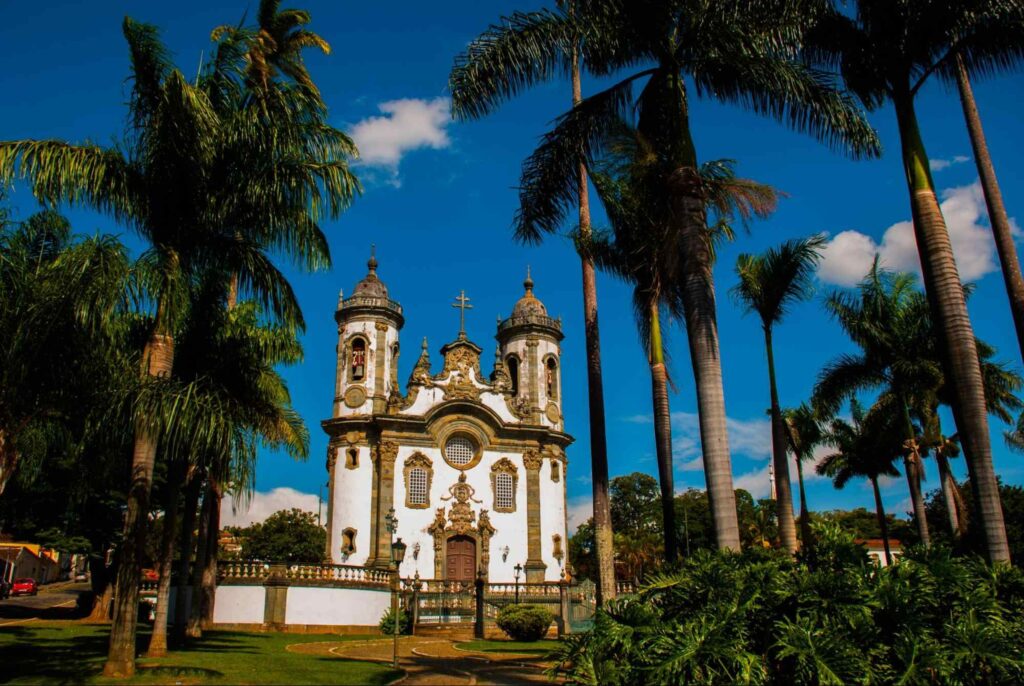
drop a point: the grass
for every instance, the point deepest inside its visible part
(541, 647)
(72, 653)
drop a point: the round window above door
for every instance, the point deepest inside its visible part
(461, 451)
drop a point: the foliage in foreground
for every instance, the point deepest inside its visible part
(831, 617)
(524, 622)
(387, 623)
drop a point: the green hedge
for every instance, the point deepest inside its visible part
(524, 622)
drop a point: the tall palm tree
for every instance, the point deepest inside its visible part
(227, 358)
(768, 285)
(167, 181)
(643, 250)
(887, 51)
(463, 107)
(734, 51)
(804, 433)
(884, 318)
(1000, 221)
(865, 447)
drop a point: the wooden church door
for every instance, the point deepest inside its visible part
(461, 559)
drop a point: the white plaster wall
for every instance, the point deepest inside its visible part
(552, 519)
(352, 505)
(335, 606)
(239, 605)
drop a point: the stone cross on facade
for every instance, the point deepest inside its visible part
(462, 302)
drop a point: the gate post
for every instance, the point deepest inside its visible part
(478, 627)
(563, 624)
(415, 602)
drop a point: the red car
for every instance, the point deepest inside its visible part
(24, 587)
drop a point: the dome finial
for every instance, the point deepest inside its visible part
(372, 262)
(528, 283)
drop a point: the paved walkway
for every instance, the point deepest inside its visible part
(436, 661)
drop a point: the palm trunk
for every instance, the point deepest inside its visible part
(805, 524)
(188, 524)
(913, 468)
(784, 491)
(1001, 231)
(101, 578)
(158, 639)
(702, 334)
(949, 309)
(209, 570)
(158, 360)
(663, 435)
(603, 534)
(193, 628)
(946, 480)
(883, 526)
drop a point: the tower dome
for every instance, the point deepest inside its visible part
(529, 304)
(371, 286)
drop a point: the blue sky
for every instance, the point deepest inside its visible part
(440, 197)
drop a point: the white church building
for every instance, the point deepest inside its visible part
(474, 465)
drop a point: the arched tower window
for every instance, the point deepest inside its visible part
(352, 458)
(503, 484)
(512, 362)
(551, 378)
(357, 360)
(419, 472)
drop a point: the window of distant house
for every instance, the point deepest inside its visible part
(357, 360)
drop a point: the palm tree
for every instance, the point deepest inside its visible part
(886, 318)
(865, 448)
(60, 296)
(1001, 229)
(463, 107)
(804, 433)
(768, 285)
(887, 51)
(166, 181)
(227, 358)
(736, 52)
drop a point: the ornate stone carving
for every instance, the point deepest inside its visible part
(485, 531)
(380, 326)
(552, 413)
(499, 375)
(532, 460)
(461, 387)
(355, 396)
(461, 521)
(462, 358)
(421, 372)
(518, 406)
(387, 452)
(332, 456)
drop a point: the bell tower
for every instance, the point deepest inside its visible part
(529, 343)
(368, 326)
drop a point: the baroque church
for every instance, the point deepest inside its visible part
(473, 465)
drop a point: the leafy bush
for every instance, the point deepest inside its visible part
(829, 617)
(524, 622)
(387, 623)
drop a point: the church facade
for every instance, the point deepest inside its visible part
(474, 465)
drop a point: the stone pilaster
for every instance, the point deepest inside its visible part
(535, 566)
(333, 450)
(380, 397)
(533, 375)
(384, 500)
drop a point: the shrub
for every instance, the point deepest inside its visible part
(387, 623)
(830, 616)
(524, 622)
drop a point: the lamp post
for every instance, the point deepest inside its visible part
(397, 555)
(518, 570)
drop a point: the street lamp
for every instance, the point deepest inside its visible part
(397, 555)
(518, 570)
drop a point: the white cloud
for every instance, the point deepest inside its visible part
(749, 437)
(755, 482)
(581, 508)
(940, 164)
(405, 125)
(266, 503)
(848, 256)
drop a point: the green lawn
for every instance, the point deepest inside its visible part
(541, 647)
(71, 653)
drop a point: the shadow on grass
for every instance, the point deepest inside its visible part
(63, 660)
